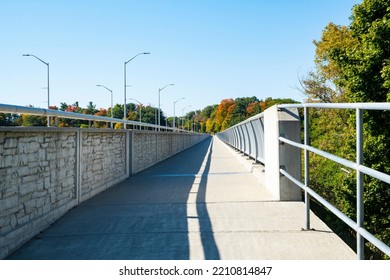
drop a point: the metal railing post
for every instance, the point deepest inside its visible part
(359, 183)
(255, 140)
(307, 168)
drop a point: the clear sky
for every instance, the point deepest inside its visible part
(210, 49)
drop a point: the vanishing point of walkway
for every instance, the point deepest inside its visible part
(199, 204)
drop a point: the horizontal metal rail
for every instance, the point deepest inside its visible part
(353, 106)
(15, 109)
(366, 170)
(357, 166)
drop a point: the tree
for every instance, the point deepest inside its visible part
(117, 111)
(91, 109)
(9, 119)
(223, 114)
(149, 114)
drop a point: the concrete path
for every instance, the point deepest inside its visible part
(199, 204)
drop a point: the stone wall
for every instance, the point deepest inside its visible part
(103, 161)
(44, 172)
(38, 181)
(149, 147)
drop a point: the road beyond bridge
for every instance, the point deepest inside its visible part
(199, 204)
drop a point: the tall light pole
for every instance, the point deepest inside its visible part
(174, 112)
(111, 101)
(48, 83)
(182, 113)
(124, 109)
(159, 109)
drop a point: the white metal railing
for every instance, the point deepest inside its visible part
(247, 137)
(357, 166)
(15, 109)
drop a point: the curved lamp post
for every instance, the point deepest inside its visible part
(48, 83)
(159, 110)
(124, 109)
(174, 112)
(182, 113)
(111, 101)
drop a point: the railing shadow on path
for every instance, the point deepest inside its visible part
(143, 218)
(206, 230)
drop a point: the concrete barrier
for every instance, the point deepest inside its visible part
(47, 171)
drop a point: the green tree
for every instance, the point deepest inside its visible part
(91, 109)
(9, 119)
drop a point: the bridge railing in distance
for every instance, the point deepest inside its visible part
(257, 138)
(247, 137)
(280, 140)
(15, 109)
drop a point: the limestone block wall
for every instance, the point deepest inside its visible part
(37, 182)
(149, 147)
(143, 155)
(44, 172)
(103, 161)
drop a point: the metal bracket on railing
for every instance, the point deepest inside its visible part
(281, 142)
(284, 168)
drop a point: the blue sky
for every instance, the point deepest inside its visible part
(210, 50)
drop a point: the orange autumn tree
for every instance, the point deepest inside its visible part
(223, 114)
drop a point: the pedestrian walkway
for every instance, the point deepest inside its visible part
(199, 204)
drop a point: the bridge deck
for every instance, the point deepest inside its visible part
(199, 204)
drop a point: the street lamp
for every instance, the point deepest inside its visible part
(182, 113)
(111, 101)
(48, 83)
(140, 108)
(124, 109)
(159, 109)
(174, 112)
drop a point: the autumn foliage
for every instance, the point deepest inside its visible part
(230, 111)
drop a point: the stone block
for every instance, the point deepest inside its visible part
(10, 151)
(34, 147)
(13, 221)
(10, 190)
(8, 202)
(30, 205)
(32, 157)
(30, 178)
(25, 194)
(23, 220)
(8, 161)
(41, 155)
(10, 143)
(23, 171)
